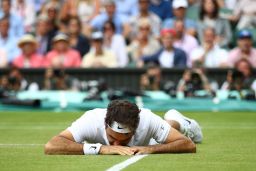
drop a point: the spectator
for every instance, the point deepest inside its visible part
(7, 41)
(192, 81)
(245, 13)
(127, 8)
(162, 8)
(209, 18)
(168, 56)
(144, 44)
(28, 58)
(184, 40)
(98, 56)
(245, 67)
(209, 55)
(51, 10)
(85, 10)
(16, 81)
(131, 28)
(43, 35)
(16, 23)
(3, 59)
(241, 78)
(152, 79)
(110, 14)
(115, 43)
(56, 79)
(62, 56)
(179, 11)
(25, 10)
(76, 39)
(244, 50)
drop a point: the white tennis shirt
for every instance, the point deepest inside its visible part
(90, 127)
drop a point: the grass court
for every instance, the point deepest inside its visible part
(229, 144)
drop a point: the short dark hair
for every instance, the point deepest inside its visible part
(123, 112)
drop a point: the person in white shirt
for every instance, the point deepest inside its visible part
(209, 55)
(125, 129)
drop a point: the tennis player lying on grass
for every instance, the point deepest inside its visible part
(125, 129)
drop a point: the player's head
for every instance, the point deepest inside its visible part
(121, 121)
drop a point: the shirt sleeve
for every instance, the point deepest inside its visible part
(83, 129)
(159, 127)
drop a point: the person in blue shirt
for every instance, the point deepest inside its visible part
(179, 11)
(16, 24)
(98, 22)
(7, 41)
(162, 8)
(127, 8)
(168, 56)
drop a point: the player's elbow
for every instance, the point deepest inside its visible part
(191, 147)
(50, 148)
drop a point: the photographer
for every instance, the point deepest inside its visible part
(241, 78)
(151, 80)
(193, 80)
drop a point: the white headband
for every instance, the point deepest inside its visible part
(120, 128)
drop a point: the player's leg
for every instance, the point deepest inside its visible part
(188, 127)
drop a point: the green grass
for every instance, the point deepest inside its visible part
(229, 144)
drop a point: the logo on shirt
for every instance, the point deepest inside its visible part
(162, 127)
(93, 147)
(188, 121)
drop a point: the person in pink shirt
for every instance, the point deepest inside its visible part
(62, 56)
(29, 58)
(244, 50)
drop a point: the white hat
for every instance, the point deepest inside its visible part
(179, 3)
(60, 37)
(97, 35)
(27, 38)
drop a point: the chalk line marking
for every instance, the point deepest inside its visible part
(126, 163)
(19, 145)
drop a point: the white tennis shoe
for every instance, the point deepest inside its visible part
(190, 127)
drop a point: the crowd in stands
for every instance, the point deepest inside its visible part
(128, 33)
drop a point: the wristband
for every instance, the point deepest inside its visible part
(91, 148)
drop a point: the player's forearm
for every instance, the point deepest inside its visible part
(179, 146)
(60, 145)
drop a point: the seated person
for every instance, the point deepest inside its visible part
(151, 80)
(244, 49)
(62, 54)
(241, 77)
(29, 58)
(193, 80)
(99, 57)
(168, 56)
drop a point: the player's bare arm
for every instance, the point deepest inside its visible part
(175, 143)
(64, 144)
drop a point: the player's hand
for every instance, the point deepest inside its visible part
(141, 150)
(113, 149)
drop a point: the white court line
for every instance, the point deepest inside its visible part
(126, 163)
(17, 145)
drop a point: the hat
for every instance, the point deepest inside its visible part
(27, 38)
(144, 22)
(97, 35)
(244, 34)
(109, 2)
(60, 37)
(179, 3)
(165, 31)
